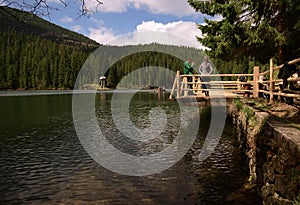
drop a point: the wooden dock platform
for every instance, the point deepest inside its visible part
(190, 87)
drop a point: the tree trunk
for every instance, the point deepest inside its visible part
(281, 55)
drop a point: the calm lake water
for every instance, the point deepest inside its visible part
(43, 162)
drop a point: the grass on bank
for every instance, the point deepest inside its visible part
(278, 111)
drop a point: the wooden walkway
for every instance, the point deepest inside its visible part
(183, 89)
(190, 86)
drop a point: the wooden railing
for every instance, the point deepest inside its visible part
(183, 88)
(253, 84)
(272, 83)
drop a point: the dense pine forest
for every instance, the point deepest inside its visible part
(32, 62)
(123, 60)
(36, 54)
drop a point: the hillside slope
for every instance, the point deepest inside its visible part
(13, 19)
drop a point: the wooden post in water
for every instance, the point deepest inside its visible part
(255, 81)
(178, 83)
(271, 81)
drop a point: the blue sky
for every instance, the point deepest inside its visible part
(116, 19)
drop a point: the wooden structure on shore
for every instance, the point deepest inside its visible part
(255, 86)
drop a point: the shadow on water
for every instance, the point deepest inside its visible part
(43, 162)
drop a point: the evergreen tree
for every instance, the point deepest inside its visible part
(257, 28)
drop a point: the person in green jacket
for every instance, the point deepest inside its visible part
(188, 67)
(189, 70)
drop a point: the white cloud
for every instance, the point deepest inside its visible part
(214, 18)
(174, 33)
(98, 21)
(101, 34)
(66, 19)
(175, 7)
(77, 28)
(109, 5)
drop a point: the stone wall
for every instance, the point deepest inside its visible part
(273, 153)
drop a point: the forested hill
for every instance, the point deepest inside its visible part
(20, 21)
(36, 54)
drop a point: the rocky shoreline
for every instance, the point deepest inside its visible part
(272, 149)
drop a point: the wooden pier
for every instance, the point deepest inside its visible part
(256, 85)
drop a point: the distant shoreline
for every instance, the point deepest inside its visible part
(35, 92)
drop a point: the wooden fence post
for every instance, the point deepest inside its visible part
(185, 83)
(178, 83)
(271, 81)
(194, 84)
(255, 81)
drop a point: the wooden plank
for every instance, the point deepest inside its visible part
(280, 66)
(220, 82)
(287, 95)
(218, 75)
(271, 81)
(290, 63)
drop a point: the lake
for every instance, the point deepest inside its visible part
(43, 162)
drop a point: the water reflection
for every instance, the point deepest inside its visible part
(43, 162)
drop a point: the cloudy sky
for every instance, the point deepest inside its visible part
(121, 22)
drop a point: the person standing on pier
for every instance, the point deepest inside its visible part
(205, 69)
(189, 70)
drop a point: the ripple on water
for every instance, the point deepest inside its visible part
(46, 164)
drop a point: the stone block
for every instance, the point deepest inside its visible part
(261, 116)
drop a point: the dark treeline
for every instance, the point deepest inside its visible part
(147, 66)
(172, 58)
(152, 56)
(32, 62)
